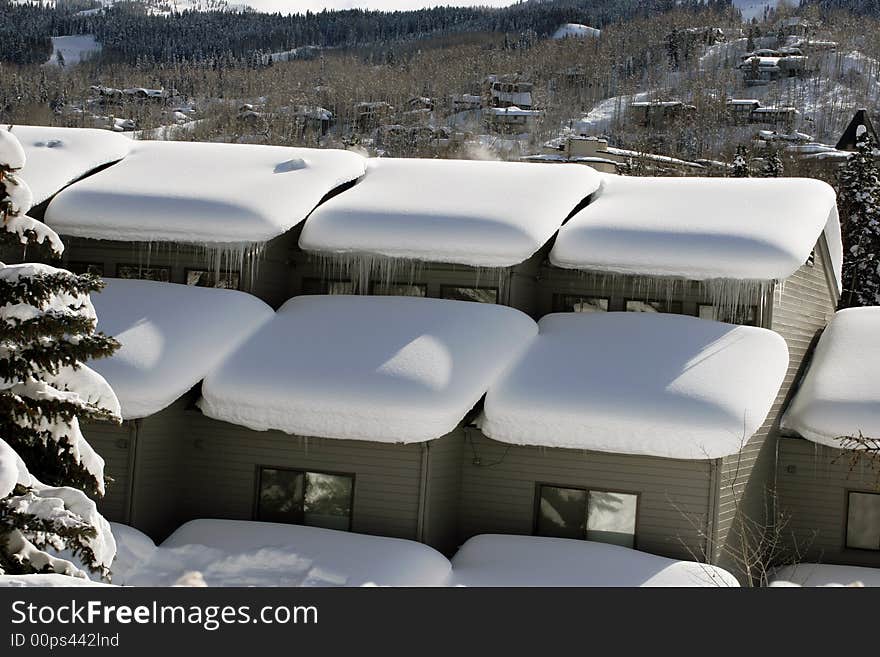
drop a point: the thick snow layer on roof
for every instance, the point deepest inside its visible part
(45, 581)
(242, 553)
(385, 369)
(637, 383)
(202, 192)
(58, 156)
(822, 574)
(171, 336)
(840, 394)
(132, 549)
(698, 228)
(487, 214)
(505, 560)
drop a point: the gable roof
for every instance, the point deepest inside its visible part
(848, 139)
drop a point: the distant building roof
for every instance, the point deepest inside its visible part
(848, 139)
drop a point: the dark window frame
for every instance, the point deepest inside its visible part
(237, 272)
(847, 493)
(536, 506)
(669, 311)
(754, 307)
(170, 269)
(84, 265)
(558, 296)
(258, 479)
(324, 283)
(451, 286)
(421, 286)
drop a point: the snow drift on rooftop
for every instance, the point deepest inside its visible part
(823, 574)
(486, 214)
(698, 228)
(497, 560)
(638, 383)
(171, 336)
(240, 553)
(840, 394)
(58, 156)
(385, 369)
(202, 192)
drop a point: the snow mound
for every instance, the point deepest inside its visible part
(58, 156)
(171, 336)
(202, 192)
(698, 228)
(132, 549)
(244, 553)
(820, 574)
(507, 560)
(840, 394)
(485, 214)
(576, 30)
(637, 383)
(12, 155)
(45, 581)
(13, 471)
(385, 369)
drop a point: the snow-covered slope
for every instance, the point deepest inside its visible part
(58, 156)
(576, 30)
(171, 336)
(698, 228)
(237, 553)
(202, 192)
(385, 369)
(638, 383)
(490, 214)
(496, 560)
(73, 49)
(840, 394)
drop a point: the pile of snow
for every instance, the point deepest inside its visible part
(820, 574)
(171, 337)
(576, 30)
(385, 369)
(242, 553)
(491, 214)
(638, 383)
(840, 394)
(699, 228)
(133, 548)
(202, 192)
(74, 48)
(499, 560)
(58, 156)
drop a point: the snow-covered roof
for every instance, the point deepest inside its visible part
(58, 156)
(510, 560)
(699, 228)
(823, 574)
(840, 393)
(385, 369)
(243, 553)
(490, 214)
(638, 383)
(171, 336)
(202, 192)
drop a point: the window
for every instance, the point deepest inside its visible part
(324, 286)
(747, 315)
(594, 515)
(635, 306)
(399, 290)
(479, 294)
(317, 499)
(96, 268)
(811, 259)
(162, 274)
(227, 280)
(863, 521)
(567, 303)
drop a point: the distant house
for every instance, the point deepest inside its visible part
(403, 387)
(759, 69)
(369, 115)
(509, 91)
(510, 119)
(740, 109)
(785, 116)
(859, 122)
(659, 113)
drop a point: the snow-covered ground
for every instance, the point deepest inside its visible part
(820, 574)
(576, 30)
(755, 8)
(505, 560)
(73, 49)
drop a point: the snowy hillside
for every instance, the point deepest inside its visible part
(73, 49)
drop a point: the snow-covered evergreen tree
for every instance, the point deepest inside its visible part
(740, 163)
(772, 166)
(47, 332)
(858, 198)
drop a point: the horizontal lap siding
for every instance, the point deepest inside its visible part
(444, 492)
(270, 281)
(113, 443)
(498, 496)
(221, 468)
(801, 308)
(813, 481)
